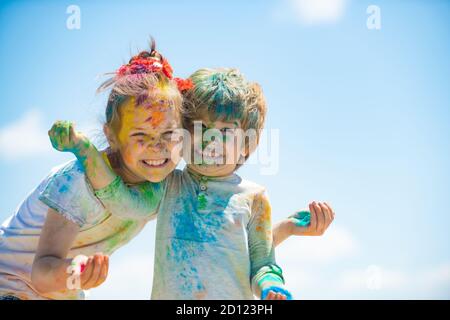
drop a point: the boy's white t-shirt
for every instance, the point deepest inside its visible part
(67, 191)
(203, 238)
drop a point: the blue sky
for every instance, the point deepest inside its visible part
(363, 118)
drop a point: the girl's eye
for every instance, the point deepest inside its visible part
(167, 135)
(138, 134)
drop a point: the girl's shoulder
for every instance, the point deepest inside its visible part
(67, 190)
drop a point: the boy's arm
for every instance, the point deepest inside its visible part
(266, 276)
(312, 222)
(109, 188)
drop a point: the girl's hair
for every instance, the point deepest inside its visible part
(225, 95)
(147, 75)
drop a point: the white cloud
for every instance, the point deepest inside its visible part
(336, 243)
(28, 137)
(25, 137)
(319, 11)
(392, 283)
(311, 12)
(373, 278)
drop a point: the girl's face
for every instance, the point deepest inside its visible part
(144, 139)
(215, 148)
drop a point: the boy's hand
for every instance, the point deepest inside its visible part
(313, 222)
(95, 271)
(276, 293)
(64, 138)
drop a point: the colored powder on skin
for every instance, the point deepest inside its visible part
(266, 291)
(156, 118)
(302, 218)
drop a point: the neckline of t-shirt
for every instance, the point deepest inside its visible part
(198, 177)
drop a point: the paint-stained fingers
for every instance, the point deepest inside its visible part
(270, 296)
(53, 134)
(313, 222)
(87, 273)
(326, 216)
(104, 271)
(98, 260)
(65, 133)
(314, 216)
(60, 135)
(320, 218)
(72, 134)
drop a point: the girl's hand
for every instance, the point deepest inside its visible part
(64, 138)
(313, 222)
(95, 271)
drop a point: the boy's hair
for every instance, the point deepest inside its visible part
(140, 79)
(225, 95)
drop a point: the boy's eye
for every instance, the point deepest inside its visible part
(228, 131)
(138, 134)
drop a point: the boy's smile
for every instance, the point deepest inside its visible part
(216, 147)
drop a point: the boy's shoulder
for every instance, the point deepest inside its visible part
(250, 187)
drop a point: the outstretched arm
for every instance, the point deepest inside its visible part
(312, 222)
(138, 202)
(64, 138)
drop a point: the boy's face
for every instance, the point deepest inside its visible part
(145, 139)
(216, 147)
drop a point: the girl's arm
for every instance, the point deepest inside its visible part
(51, 269)
(312, 222)
(119, 199)
(64, 138)
(267, 279)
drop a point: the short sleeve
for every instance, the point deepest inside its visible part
(69, 193)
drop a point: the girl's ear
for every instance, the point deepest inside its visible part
(111, 137)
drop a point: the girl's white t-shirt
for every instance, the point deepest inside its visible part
(67, 191)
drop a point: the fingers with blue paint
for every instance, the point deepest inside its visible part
(275, 293)
(312, 222)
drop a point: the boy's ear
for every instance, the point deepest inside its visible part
(111, 137)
